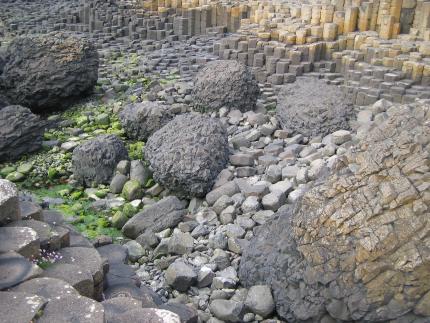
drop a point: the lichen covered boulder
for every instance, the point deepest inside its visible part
(94, 161)
(225, 83)
(187, 154)
(21, 132)
(313, 108)
(140, 120)
(356, 247)
(48, 71)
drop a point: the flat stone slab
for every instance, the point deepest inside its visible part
(30, 211)
(46, 287)
(114, 253)
(19, 307)
(46, 235)
(73, 308)
(80, 279)
(14, 269)
(86, 258)
(131, 291)
(147, 315)
(118, 305)
(22, 240)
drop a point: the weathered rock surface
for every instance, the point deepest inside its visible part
(14, 269)
(141, 120)
(9, 202)
(20, 307)
(225, 83)
(21, 132)
(94, 161)
(47, 71)
(356, 246)
(187, 154)
(313, 108)
(166, 213)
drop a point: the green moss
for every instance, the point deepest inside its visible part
(135, 150)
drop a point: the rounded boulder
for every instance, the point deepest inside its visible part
(187, 154)
(48, 71)
(141, 120)
(313, 108)
(225, 83)
(94, 161)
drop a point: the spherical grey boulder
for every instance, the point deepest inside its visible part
(94, 161)
(225, 83)
(140, 120)
(48, 71)
(313, 108)
(21, 132)
(187, 154)
(353, 247)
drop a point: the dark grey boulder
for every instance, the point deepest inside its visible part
(225, 83)
(130, 290)
(114, 253)
(48, 71)
(312, 108)
(118, 305)
(164, 214)
(20, 307)
(21, 132)
(94, 161)
(141, 120)
(187, 154)
(350, 247)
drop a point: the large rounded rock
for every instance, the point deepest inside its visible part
(46, 71)
(187, 154)
(356, 247)
(141, 120)
(312, 108)
(21, 132)
(225, 83)
(94, 161)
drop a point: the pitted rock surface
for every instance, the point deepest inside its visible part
(21, 132)
(225, 83)
(94, 161)
(141, 120)
(46, 71)
(187, 154)
(313, 108)
(357, 246)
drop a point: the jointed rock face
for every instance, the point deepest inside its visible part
(46, 71)
(356, 246)
(187, 154)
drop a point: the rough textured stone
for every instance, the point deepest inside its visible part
(356, 246)
(225, 83)
(227, 310)
(180, 276)
(73, 308)
(141, 120)
(24, 241)
(21, 132)
(14, 269)
(9, 202)
(187, 154)
(166, 213)
(260, 301)
(46, 287)
(94, 161)
(19, 307)
(46, 71)
(313, 108)
(147, 315)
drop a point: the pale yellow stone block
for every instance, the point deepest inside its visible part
(351, 16)
(330, 31)
(387, 24)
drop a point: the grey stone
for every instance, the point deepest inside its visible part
(20, 307)
(205, 277)
(139, 172)
(73, 308)
(94, 161)
(339, 137)
(9, 202)
(187, 154)
(141, 120)
(135, 250)
(147, 315)
(311, 107)
(14, 269)
(273, 201)
(46, 287)
(118, 305)
(226, 310)
(117, 183)
(260, 301)
(180, 276)
(21, 132)
(223, 202)
(114, 253)
(166, 213)
(22, 240)
(229, 189)
(181, 243)
(225, 83)
(39, 77)
(242, 160)
(30, 210)
(187, 314)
